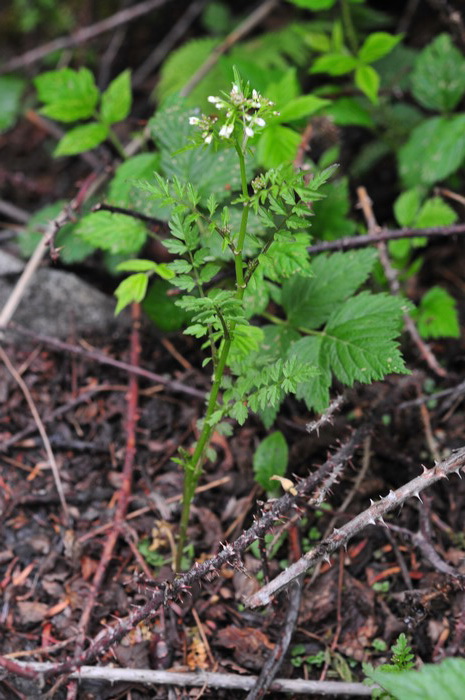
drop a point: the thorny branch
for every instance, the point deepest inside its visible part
(372, 515)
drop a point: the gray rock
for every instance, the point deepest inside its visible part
(59, 303)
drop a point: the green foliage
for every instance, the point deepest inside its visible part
(11, 92)
(438, 81)
(445, 680)
(270, 459)
(69, 96)
(402, 660)
(436, 316)
(113, 232)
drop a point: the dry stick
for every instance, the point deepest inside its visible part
(169, 40)
(244, 28)
(385, 234)
(226, 681)
(340, 537)
(391, 275)
(40, 427)
(276, 658)
(125, 490)
(82, 35)
(103, 359)
(229, 554)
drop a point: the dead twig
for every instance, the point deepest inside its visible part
(385, 234)
(391, 276)
(82, 35)
(43, 434)
(240, 31)
(372, 515)
(103, 359)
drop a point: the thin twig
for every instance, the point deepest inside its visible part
(40, 427)
(238, 33)
(385, 234)
(103, 359)
(169, 40)
(375, 513)
(391, 276)
(227, 681)
(277, 656)
(82, 35)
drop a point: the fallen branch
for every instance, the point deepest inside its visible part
(372, 515)
(227, 681)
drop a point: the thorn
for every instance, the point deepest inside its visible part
(425, 469)
(372, 521)
(381, 521)
(326, 558)
(457, 471)
(417, 495)
(372, 503)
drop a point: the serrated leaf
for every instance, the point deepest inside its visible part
(436, 316)
(80, 139)
(246, 340)
(435, 212)
(359, 338)
(438, 79)
(270, 459)
(286, 257)
(300, 107)
(124, 189)
(367, 80)
(406, 207)
(433, 681)
(133, 288)
(113, 232)
(68, 95)
(117, 99)
(331, 218)
(11, 91)
(435, 149)
(309, 302)
(377, 45)
(314, 391)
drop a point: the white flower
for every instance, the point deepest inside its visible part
(207, 137)
(259, 121)
(213, 99)
(226, 130)
(255, 94)
(194, 120)
(248, 131)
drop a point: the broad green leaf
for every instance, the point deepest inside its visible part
(347, 111)
(377, 45)
(277, 145)
(160, 307)
(133, 288)
(68, 95)
(285, 89)
(438, 80)
(436, 316)
(80, 139)
(301, 107)
(360, 338)
(113, 232)
(357, 344)
(270, 459)
(318, 41)
(367, 79)
(315, 391)
(246, 340)
(332, 218)
(116, 100)
(407, 206)
(310, 302)
(11, 91)
(286, 257)
(435, 212)
(125, 190)
(435, 149)
(444, 681)
(334, 64)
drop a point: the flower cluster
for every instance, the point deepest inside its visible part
(240, 108)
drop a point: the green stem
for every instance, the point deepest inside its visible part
(117, 143)
(194, 467)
